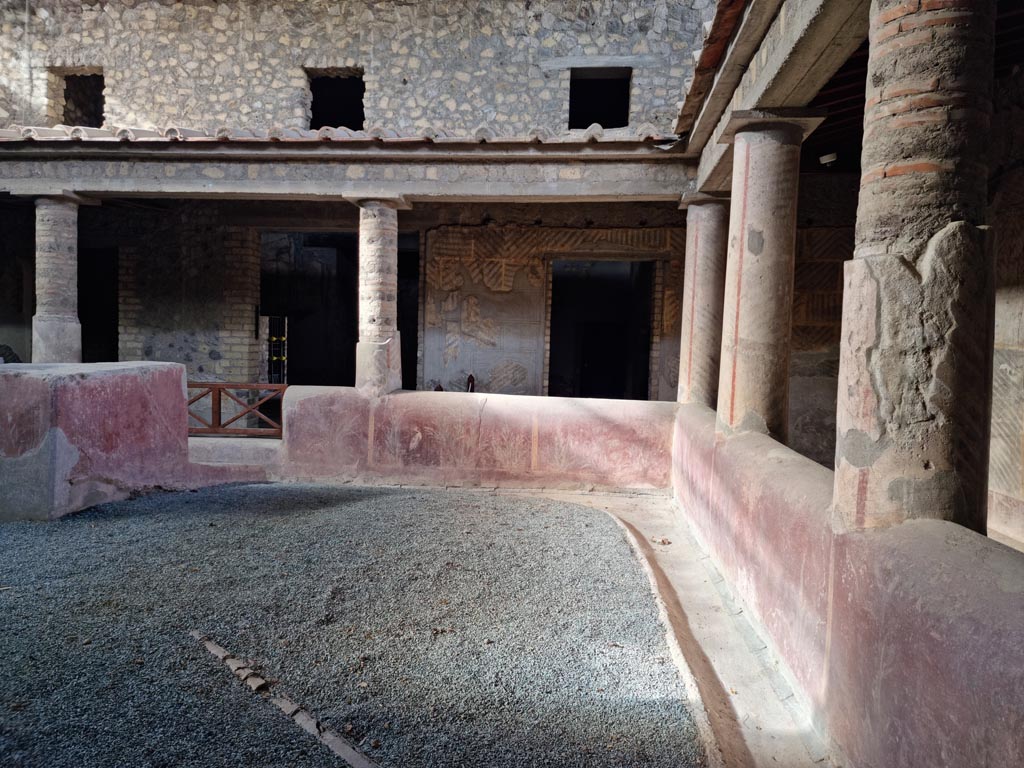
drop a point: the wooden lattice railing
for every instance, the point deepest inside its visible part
(246, 418)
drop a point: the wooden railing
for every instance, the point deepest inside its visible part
(237, 423)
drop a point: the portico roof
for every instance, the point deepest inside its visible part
(593, 165)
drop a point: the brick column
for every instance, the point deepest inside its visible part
(56, 333)
(707, 237)
(378, 353)
(753, 388)
(916, 356)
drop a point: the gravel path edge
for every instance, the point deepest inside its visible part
(693, 698)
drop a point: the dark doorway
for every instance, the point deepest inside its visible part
(97, 304)
(601, 329)
(311, 279)
(408, 303)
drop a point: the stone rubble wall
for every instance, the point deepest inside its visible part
(452, 65)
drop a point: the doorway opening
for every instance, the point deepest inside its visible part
(601, 329)
(98, 304)
(309, 285)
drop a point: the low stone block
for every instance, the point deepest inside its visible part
(74, 435)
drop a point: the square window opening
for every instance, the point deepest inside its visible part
(599, 95)
(83, 99)
(337, 98)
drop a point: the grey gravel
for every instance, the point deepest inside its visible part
(430, 628)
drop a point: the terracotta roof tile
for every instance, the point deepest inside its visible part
(483, 134)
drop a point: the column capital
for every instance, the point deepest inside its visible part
(702, 198)
(804, 120)
(398, 202)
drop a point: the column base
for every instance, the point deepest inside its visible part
(56, 339)
(379, 365)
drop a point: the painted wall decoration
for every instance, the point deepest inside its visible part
(486, 302)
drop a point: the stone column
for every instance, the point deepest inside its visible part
(707, 235)
(753, 388)
(56, 332)
(916, 354)
(378, 353)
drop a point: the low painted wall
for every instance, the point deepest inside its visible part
(1006, 516)
(458, 438)
(72, 436)
(905, 641)
(75, 435)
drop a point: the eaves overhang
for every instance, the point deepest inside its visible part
(592, 168)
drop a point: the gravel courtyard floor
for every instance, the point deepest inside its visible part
(432, 628)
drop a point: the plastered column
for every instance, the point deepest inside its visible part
(707, 236)
(56, 332)
(753, 388)
(378, 352)
(916, 354)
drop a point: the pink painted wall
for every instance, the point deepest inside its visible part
(1006, 515)
(906, 641)
(74, 435)
(456, 438)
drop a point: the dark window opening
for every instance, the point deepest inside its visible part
(337, 100)
(97, 304)
(599, 95)
(601, 329)
(83, 100)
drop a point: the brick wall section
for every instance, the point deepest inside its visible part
(239, 343)
(129, 309)
(190, 296)
(455, 65)
(818, 286)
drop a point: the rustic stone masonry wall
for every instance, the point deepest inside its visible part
(453, 65)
